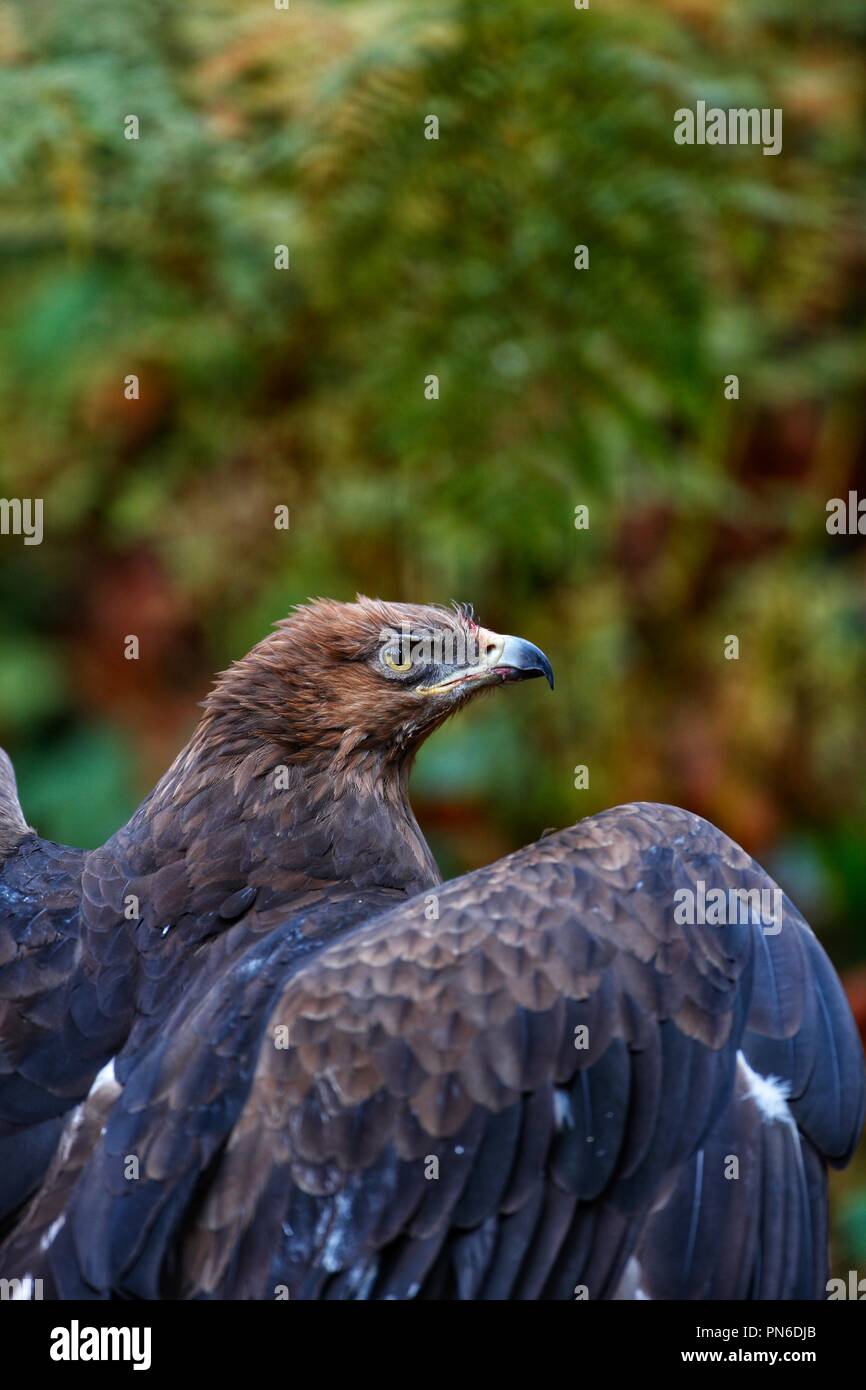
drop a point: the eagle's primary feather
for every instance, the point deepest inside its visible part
(253, 1047)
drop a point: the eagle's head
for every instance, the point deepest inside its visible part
(367, 682)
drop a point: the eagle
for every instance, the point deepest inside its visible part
(253, 1047)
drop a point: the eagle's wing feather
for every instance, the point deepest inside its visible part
(748, 1216)
(810, 1042)
(542, 1033)
(43, 1051)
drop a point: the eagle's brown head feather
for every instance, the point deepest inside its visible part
(366, 682)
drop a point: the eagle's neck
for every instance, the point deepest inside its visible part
(294, 829)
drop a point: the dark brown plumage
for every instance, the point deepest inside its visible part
(338, 1078)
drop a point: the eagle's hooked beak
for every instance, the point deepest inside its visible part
(496, 658)
(520, 660)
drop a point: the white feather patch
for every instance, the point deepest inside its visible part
(770, 1093)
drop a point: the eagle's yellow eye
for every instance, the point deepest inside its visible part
(392, 660)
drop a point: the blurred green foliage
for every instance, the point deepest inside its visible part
(558, 387)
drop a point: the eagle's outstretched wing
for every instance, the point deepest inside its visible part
(497, 1090)
(40, 1036)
